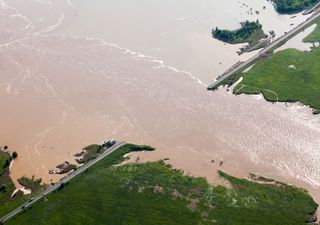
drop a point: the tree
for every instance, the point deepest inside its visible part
(14, 155)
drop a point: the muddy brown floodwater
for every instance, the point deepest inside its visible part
(65, 82)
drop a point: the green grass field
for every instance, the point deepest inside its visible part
(5, 159)
(288, 76)
(156, 194)
(7, 187)
(315, 35)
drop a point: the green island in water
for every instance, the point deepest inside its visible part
(244, 34)
(250, 32)
(156, 194)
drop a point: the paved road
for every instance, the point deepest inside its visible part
(65, 179)
(312, 9)
(243, 65)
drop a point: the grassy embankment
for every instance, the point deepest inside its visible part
(237, 75)
(8, 202)
(250, 32)
(294, 6)
(154, 193)
(288, 76)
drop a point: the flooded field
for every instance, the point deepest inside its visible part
(176, 32)
(78, 72)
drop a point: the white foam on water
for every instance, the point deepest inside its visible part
(136, 54)
(52, 27)
(291, 167)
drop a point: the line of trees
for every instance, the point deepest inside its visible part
(237, 36)
(293, 6)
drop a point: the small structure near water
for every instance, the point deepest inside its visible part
(108, 144)
(63, 168)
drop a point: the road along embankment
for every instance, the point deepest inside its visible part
(233, 74)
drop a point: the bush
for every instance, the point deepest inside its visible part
(14, 155)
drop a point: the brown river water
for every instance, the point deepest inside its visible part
(78, 72)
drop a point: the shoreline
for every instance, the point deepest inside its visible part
(107, 93)
(161, 178)
(210, 171)
(232, 75)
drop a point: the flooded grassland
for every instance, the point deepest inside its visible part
(69, 79)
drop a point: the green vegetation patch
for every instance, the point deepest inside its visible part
(315, 35)
(154, 193)
(250, 32)
(33, 184)
(8, 201)
(288, 76)
(5, 160)
(294, 6)
(90, 152)
(7, 187)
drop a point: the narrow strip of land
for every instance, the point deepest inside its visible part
(240, 66)
(65, 179)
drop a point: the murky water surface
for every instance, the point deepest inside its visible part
(78, 72)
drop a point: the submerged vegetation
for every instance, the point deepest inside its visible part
(294, 6)
(154, 193)
(288, 76)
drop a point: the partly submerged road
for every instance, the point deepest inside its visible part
(65, 179)
(243, 65)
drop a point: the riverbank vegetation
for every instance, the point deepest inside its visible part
(288, 76)
(89, 153)
(154, 193)
(242, 35)
(32, 184)
(250, 32)
(294, 6)
(9, 199)
(7, 202)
